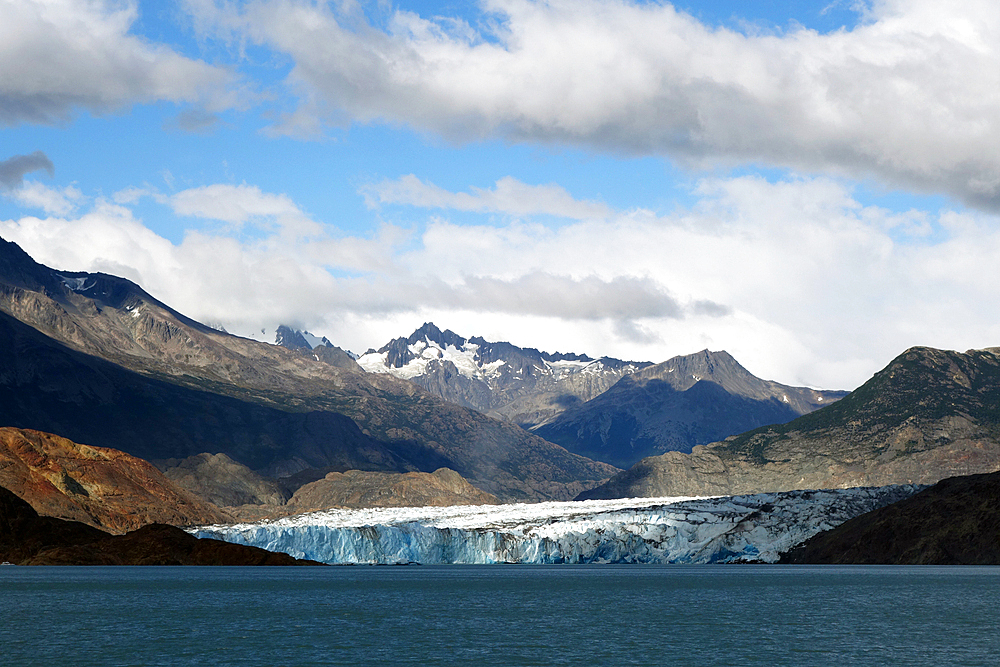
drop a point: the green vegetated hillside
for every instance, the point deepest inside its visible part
(930, 414)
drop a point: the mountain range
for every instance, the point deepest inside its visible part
(675, 405)
(240, 428)
(94, 358)
(605, 409)
(930, 414)
(521, 385)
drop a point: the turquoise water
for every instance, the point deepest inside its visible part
(501, 615)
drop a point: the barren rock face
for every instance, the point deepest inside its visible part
(101, 487)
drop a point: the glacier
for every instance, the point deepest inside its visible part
(747, 528)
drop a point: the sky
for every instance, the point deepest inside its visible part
(812, 186)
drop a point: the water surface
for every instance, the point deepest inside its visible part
(500, 615)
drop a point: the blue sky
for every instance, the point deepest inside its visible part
(811, 186)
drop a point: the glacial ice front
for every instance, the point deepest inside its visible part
(755, 527)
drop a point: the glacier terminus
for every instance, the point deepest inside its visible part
(747, 528)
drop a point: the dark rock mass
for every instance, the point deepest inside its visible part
(29, 539)
(954, 522)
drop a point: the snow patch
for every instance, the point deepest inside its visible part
(315, 341)
(76, 284)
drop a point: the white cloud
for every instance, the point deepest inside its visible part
(911, 96)
(239, 204)
(509, 196)
(61, 55)
(54, 201)
(796, 278)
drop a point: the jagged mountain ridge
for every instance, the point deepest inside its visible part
(522, 385)
(928, 415)
(94, 357)
(685, 401)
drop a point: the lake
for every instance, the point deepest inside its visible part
(501, 615)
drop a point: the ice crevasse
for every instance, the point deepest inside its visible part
(756, 527)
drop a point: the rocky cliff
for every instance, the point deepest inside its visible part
(222, 481)
(930, 414)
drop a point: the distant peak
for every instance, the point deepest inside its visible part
(285, 336)
(296, 339)
(430, 331)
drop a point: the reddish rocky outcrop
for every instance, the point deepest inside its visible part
(97, 486)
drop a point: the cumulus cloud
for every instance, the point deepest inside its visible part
(239, 204)
(509, 196)
(910, 96)
(61, 55)
(12, 170)
(796, 278)
(54, 201)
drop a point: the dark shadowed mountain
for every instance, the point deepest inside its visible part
(94, 358)
(673, 406)
(930, 414)
(954, 522)
(521, 385)
(29, 539)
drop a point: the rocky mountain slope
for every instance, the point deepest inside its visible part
(673, 406)
(930, 414)
(222, 481)
(954, 522)
(95, 358)
(522, 385)
(319, 348)
(356, 489)
(104, 488)
(29, 539)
